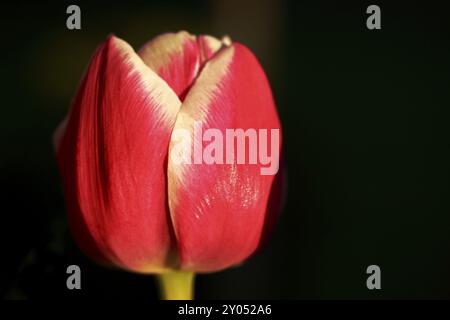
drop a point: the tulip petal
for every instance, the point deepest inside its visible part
(219, 210)
(178, 58)
(112, 158)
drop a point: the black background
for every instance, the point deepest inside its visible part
(365, 119)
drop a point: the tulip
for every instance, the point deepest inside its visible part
(129, 204)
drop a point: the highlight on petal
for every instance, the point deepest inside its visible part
(112, 158)
(178, 58)
(219, 210)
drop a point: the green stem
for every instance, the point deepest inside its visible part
(176, 285)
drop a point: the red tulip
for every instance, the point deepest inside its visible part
(129, 203)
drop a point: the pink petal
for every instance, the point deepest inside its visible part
(112, 158)
(219, 210)
(178, 57)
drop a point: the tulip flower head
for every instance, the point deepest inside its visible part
(131, 203)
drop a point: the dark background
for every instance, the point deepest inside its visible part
(365, 118)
